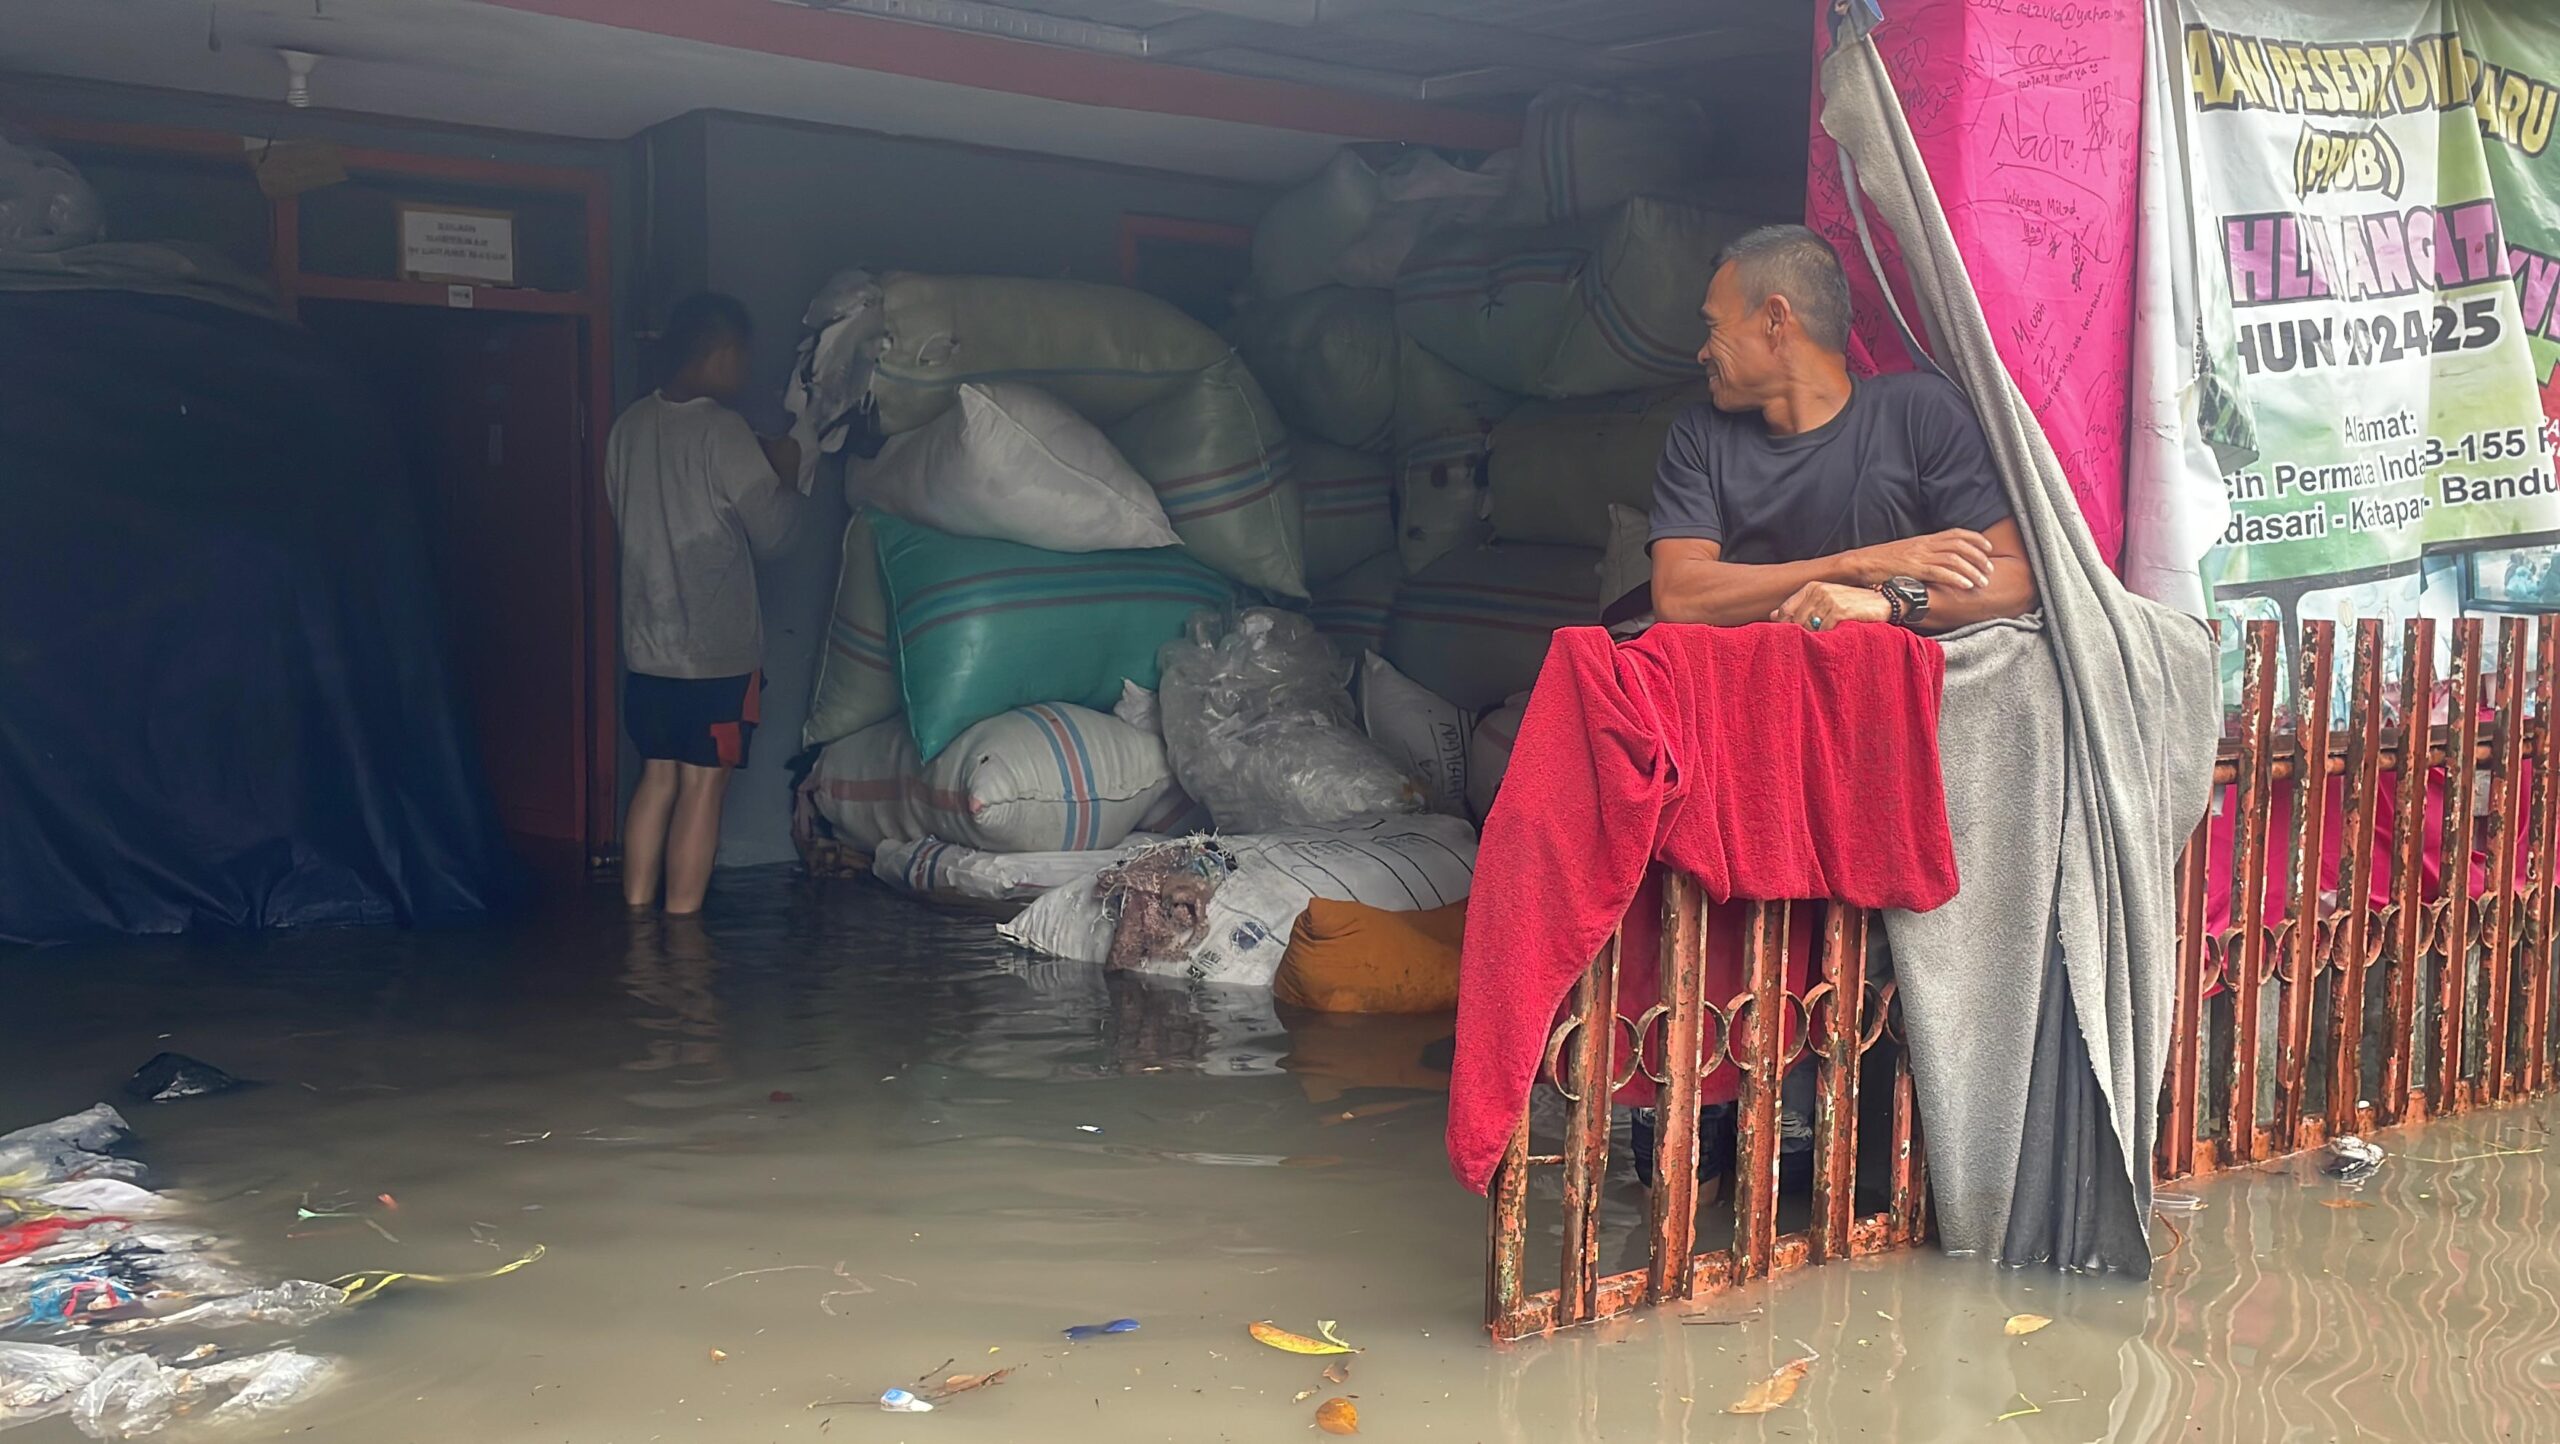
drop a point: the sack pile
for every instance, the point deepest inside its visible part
(1479, 367)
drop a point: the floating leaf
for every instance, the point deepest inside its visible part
(1337, 1372)
(1279, 1338)
(2344, 1203)
(1772, 1392)
(1338, 1416)
(963, 1383)
(2020, 1325)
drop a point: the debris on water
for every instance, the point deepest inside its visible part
(1082, 1332)
(899, 1401)
(1302, 1396)
(953, 1385)
(2177, 1203)
(719, 1356)
(2344, 1203)
(778, 1096)
(1773, 1392)
(1338, 1372)
(1338, 1416)
(2021, 1325)
(1368, 1110)
(1279, 1338)
(1087, 1128)
(359, 1287)
(169, 1077)
(2351, 1157)
(2019, 1413)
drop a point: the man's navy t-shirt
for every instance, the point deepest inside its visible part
(1904, 458)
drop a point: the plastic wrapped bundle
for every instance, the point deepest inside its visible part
(1259, 724)
(44, 203)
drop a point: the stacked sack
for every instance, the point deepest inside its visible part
(1077, 495)
(1481, 365)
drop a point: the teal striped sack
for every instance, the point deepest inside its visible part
(985, 626)
(1609, 303)
(1473, 626)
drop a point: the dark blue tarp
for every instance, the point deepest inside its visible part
(223, 699)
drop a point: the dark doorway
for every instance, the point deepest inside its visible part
(487, 413)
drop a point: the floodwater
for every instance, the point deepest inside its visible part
(841, 1140)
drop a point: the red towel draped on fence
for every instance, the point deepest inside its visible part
(1766, 762)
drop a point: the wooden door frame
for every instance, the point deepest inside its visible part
(594, 674)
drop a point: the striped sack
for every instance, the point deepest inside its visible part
(1558, 466)
(1352, 609)
(1105, 351)
(984, 626)
(1218, 458)
(1046, 778)
(1583, 308)
(1328, 360)
(857, 681)
(1349, 502)
(1474, 627)
(1586, 148)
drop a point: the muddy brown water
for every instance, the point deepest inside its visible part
(976, 1152)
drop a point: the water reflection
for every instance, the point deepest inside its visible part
(671, 970)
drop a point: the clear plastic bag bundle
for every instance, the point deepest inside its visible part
(1259, 724)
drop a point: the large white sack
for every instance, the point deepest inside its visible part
(1327, 359)
(1474, 627)
(1349, 501)
(1105, 351)
(857, 680)
(1013, 463)
(1556, 467)
(1401, 864)
(1589, 147)
(1352, 610)
(1298, 239)
(1051, 777)
(1581, 308)
(1489, 753)
(1444, 428)
(865, 785)
(1217, 457)
(930, 868)
(1424, 733)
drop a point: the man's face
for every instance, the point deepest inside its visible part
(1741, 354)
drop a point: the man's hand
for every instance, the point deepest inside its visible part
(1959, 560)
(1821, 606)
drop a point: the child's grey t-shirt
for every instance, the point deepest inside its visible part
(695, 502)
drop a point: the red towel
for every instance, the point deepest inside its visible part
(1765, 761)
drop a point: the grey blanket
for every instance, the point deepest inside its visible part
(2078, 753)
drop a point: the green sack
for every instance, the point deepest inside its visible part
(1105, 351)
(986, 626)
(1350, 506)
(1218, 458)
(1327, 358)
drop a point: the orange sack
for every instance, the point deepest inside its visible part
(1348, 957)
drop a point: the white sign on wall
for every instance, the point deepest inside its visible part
(451, 243)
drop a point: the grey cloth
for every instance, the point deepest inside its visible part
(2078, 757)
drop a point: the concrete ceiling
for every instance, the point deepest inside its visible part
(1249, 89)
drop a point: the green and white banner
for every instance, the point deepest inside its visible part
(2376, 213)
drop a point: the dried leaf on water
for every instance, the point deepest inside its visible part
(958, 1384)
(1772, 1392)
(1338, 1416)
(1276, 1337)
(1337, 1372)
(2021, 1325)
(2344, 1203)
(1368, 1110)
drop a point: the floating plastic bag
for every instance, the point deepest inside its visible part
(37, 1380)
(104, 1195)
(1260, 727)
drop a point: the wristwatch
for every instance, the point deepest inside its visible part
(1908, 598)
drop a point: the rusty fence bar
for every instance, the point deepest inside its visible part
(2366, 927)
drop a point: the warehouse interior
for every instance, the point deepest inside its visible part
(643, 152)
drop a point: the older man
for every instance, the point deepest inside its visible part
(1804, 495)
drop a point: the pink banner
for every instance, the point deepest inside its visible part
(2029, 116)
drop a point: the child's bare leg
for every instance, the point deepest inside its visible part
(693, 837)
(644, 832)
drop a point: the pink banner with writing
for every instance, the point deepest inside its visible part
(2029, 115)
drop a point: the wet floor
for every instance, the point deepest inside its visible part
(841, 1140)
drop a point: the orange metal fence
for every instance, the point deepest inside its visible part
(2404, 997)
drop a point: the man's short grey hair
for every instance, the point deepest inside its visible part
(1797, 263)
